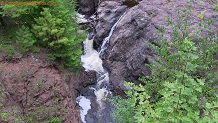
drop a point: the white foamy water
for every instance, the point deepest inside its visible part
(101, 95)
(92, 62)
(85, 105)
(81, 18)
(102, 79)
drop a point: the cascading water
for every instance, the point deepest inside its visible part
(106, 40)
(85, 104)
(92, 62)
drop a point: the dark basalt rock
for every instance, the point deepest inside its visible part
(131, 3)
(108, 13)
(87, 7)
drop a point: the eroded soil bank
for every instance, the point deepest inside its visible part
(34, 89)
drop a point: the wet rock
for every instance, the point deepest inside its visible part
(108, 13)
(83, 81)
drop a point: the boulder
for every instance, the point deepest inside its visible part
(87, 7)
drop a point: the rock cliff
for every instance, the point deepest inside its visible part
(128, 53)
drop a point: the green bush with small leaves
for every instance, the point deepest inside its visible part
(176, 92)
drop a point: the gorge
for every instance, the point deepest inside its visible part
(119, 34)
(127, 52)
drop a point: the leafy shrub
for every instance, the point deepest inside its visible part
(125, 109)
(16, 11)
(24, 39)
(20, 14)
(175, 92)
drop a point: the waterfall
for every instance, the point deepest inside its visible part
(92, 62)
(106, 40)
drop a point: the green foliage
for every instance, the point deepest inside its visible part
(1, 47)
(24, 39)
(62, 41)
(55, 120)
(47, 28)
(125, 111)
(69, 47)
(176, 89)
(7, 48)
(182, 85)
(216, 7)
(40, 84)
(16, 11)
(54, 27)
(201, 16)
(5, 115)
(10, 50)
(57, 31)
(20, 14)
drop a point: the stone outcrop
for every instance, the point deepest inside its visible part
(128, 52)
